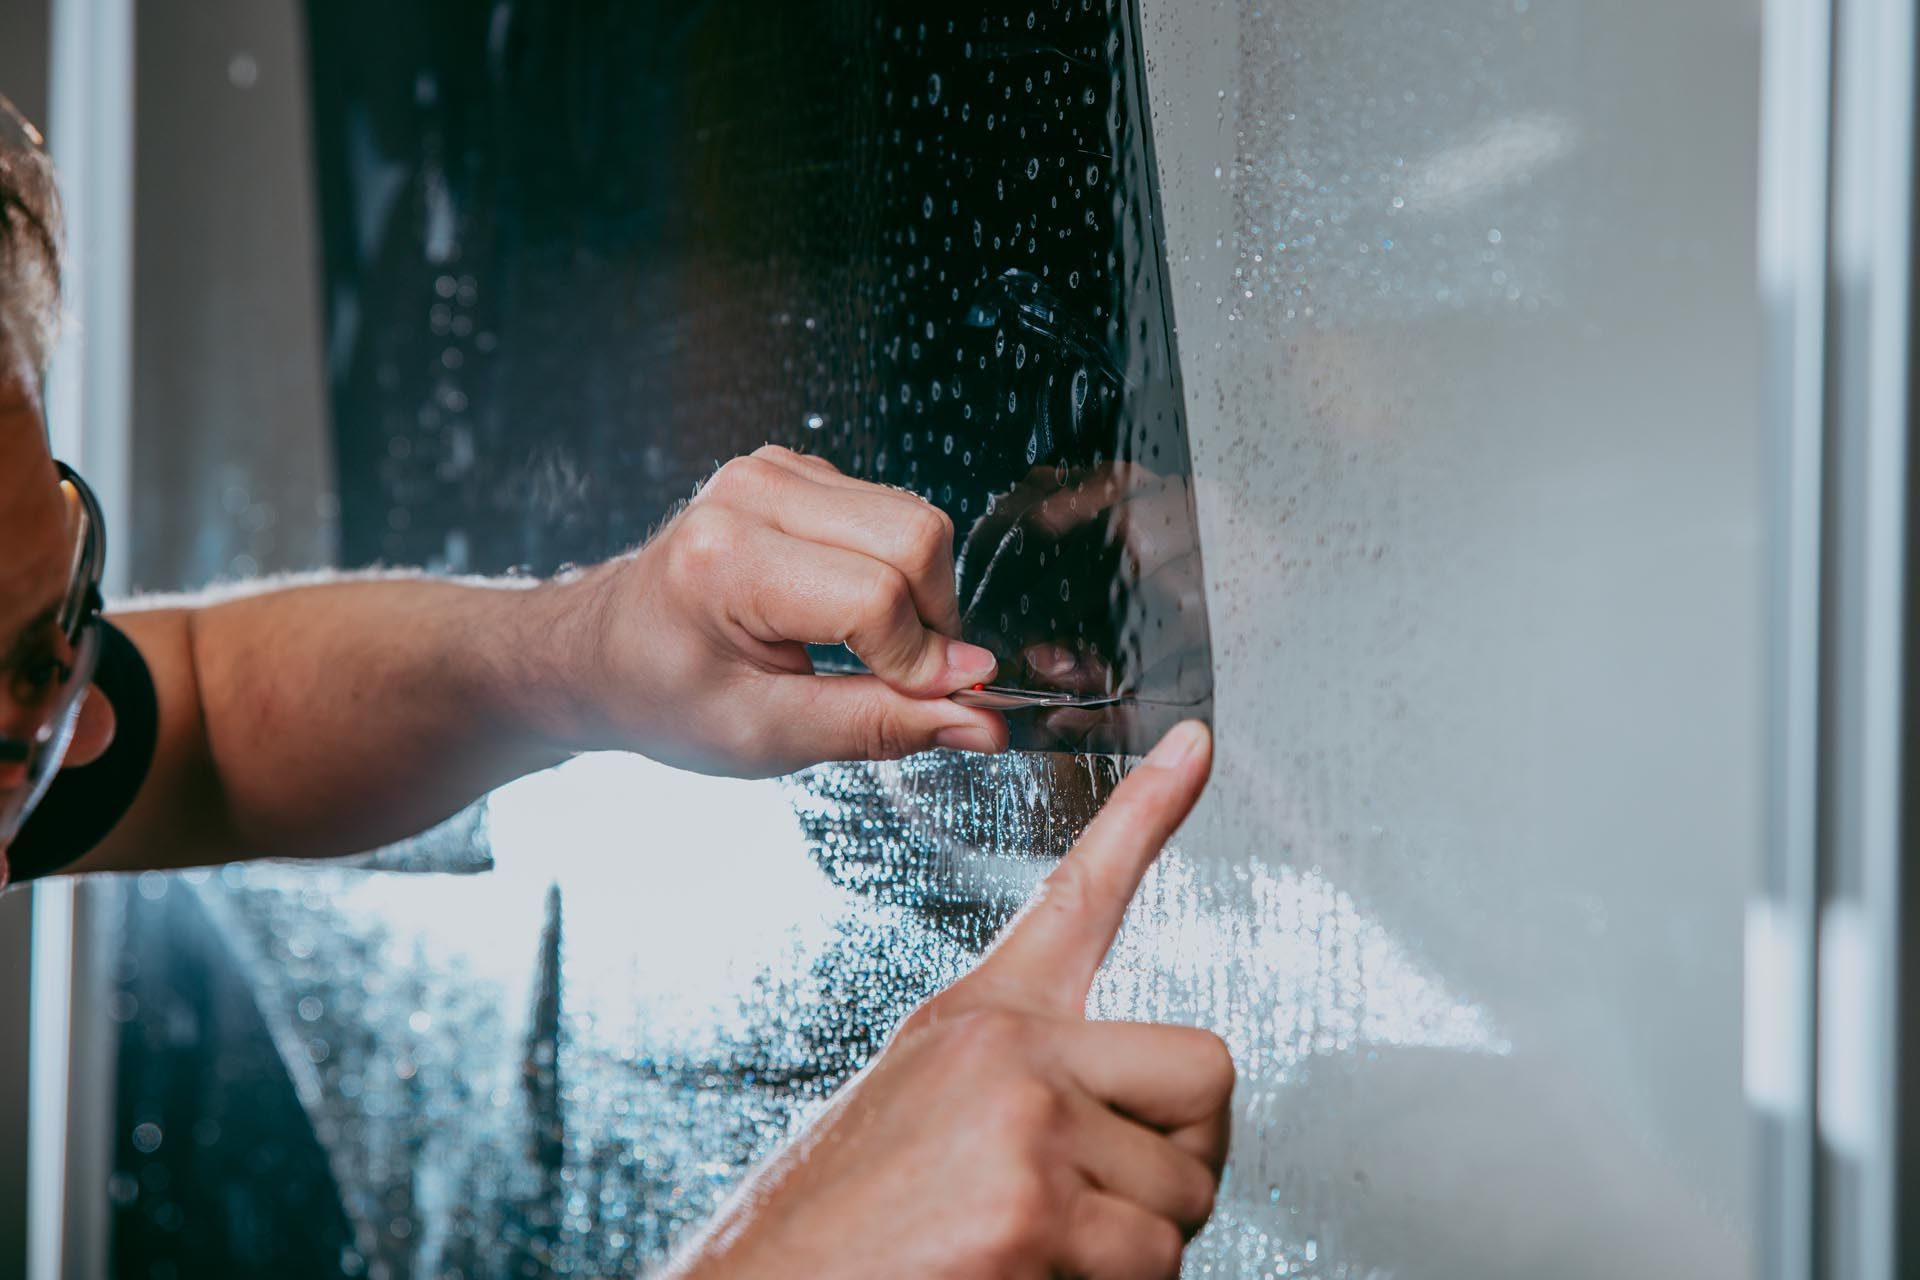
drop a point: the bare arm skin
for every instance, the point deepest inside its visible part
(334, 717)
(331, 718)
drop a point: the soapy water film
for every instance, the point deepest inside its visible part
(559, 1066)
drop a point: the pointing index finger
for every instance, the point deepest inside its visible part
(1050, 953)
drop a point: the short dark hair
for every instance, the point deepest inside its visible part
(30, 240)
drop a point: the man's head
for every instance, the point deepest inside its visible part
(37, 523)
(29, 245)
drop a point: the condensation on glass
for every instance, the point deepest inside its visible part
(1469, 332)
(1462, 409)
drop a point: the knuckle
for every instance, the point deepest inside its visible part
(1017, 1218)
(1195, 1197)
(1022, 1110)
(926, 538)
(704, 541)
(739, 476)
(884, 598)
(1161, 1243)
(882, 735)
(783, 454)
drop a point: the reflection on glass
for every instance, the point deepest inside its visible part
(563, 1064)
(573, 258)
(921, 242)
(1465, 293)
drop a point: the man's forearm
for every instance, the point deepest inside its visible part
(326, 718)
(332, 717)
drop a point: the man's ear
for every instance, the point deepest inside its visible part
(94, 732)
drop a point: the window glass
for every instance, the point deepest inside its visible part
(918, 241)
(1470, 340)
(1461, 410)
(571, 259)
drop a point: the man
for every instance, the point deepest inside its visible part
(998, 1134)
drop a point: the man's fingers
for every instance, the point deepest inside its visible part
(860, 718)
(1207, 1140)
(794, 460)
(809, 500)
(1047, 957)
(1142, 1166)
(1177, 1079)
(1110, 1238)
(880, 520)
(784, 590)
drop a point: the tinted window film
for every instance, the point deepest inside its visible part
(575, 256)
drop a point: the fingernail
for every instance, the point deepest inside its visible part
(966, 737)
(1181, 744)
(970, 662)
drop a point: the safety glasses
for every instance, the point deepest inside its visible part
(51, 667)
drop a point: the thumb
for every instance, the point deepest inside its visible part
(818, 718)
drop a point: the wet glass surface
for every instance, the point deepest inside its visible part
(561, 1065)
(573, 259)
(1470, 338)
(1465, 301)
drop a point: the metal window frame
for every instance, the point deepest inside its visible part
(1842, 1144)
(1863, 686)
(71, 1052)
(25, 45)
(1782, 931)
(1843, 1133)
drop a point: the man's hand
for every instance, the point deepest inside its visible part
(1001, 1134)
(392, 700)
(697, 640)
